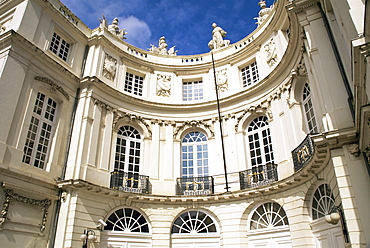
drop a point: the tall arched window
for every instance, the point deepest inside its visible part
(323, 201)
(127, 157)
(259, 140)
(308, 109)
(194, 155)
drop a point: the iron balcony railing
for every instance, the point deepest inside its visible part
(195, 185)
(303, 153)
(129, 182)
(258, 176)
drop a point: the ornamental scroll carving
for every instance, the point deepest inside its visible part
(11, 196)
(163, 85)
(109, 67)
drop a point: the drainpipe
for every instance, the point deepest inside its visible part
(339, 62)
(62, 177)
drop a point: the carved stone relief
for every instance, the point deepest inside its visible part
(354, 149)
(270, 49)
(11, 196)
(222, 81)
(109, 67)
(163, 85)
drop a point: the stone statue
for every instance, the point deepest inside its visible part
(103, 22)
(263, 14)
(162, 48)
(114, 29)
(217, 41)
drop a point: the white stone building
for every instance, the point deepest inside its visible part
(101, 137)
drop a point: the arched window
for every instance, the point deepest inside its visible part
(323, 201)
(308, 110)
(194, 222)
(269, 227)
(259, 140)
(194, 155)
(127, 220)
(268, 215)
(127, 156)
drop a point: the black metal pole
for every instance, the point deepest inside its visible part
(220, 122)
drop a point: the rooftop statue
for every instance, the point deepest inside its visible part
(113, 28)
(217, 41)
(263, 14)
(162, 48)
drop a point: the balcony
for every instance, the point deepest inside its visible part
(195, 185)
(302, 154)
(258, 176)
(129, 182)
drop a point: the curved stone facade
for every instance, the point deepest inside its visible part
(260, 143)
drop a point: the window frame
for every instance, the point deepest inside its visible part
(32, 155)
(137, 78)
(72, 42)
(192, 96)
(259, 143)
(194, 145)
(247, 75)
(309, 114)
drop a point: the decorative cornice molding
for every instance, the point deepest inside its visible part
(186, 124)
(135, 118)
(53, 85)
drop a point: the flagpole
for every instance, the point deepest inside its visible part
(220, 122)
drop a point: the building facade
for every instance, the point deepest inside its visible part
(260, 143)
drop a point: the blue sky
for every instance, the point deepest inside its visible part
(186, 24)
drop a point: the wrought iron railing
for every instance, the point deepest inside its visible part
(129, 182)
(195, 185)
(303, 153)
(258, 176)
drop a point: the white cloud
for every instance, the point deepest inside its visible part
(138, 31)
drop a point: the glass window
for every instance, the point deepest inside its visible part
(268, 215)
(134, 84)
(59, 46)
(127, 220)
(39, 136)
(259, 140)
(194, 162)
(250, 75)
(194, 222)
(323, 201)
(308, 110)
(192, 91)
(127, 156)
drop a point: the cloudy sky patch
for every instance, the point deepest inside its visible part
(186, 24)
